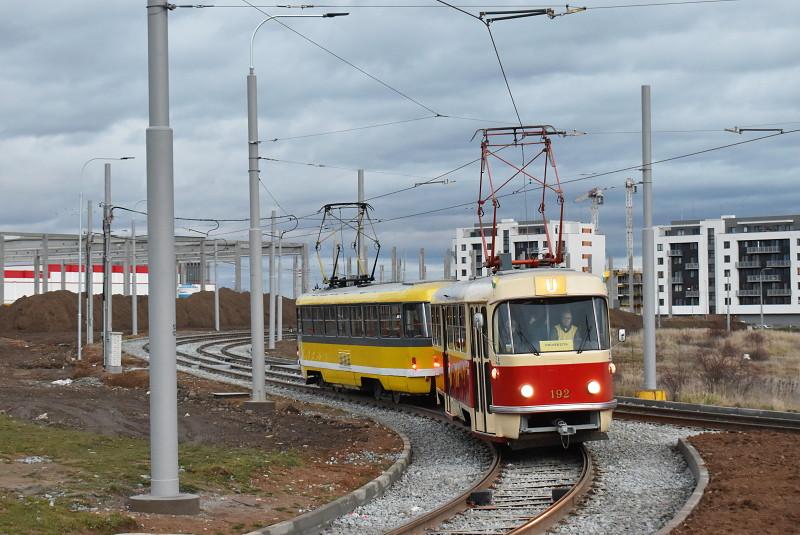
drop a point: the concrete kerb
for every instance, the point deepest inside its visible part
(314, 521)
(700, 472)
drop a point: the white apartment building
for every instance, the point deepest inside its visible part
(584, 250)
(713, 266)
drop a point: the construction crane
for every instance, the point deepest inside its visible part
(596, 196)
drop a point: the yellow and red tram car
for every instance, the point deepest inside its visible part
(375, 338)
(526, 356)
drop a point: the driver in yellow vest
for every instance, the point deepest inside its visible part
(565, 330)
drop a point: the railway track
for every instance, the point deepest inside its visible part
(527, 491)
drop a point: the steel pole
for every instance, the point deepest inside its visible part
(272, 295)
(3, 270)
(164, 479)
(278, 294)
(45, 265)
(36, 272)
(203, 261)
(89, 276)
(361, 247)
(256, 273)
(80, 274)
(306, 270)
(216, 289)
(296, 276)
(761, 296)
(728, 308)
(108, 289)
(237, 267)
(134, 303)
(648, 248)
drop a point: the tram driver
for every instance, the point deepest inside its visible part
(565, 330)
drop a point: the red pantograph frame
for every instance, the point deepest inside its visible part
(493, 141)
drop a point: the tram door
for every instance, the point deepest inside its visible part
(445, 358)
(479, 367)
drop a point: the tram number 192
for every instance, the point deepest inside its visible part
(559, 393)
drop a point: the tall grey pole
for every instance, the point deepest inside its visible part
(216, 288)
(126, 270)
(63, 275)
(79, 274)
(203, 261)
(761, 296)
(134, 303)
(395, 270)
(296, 277)
(256, 273)
(36, 272)
(165, 493)
(362, 247)
(648, 248)
(278, 294)
(306, 270)
(728, 307)
(272, 293)
(108, 289)
(380, 274)
(45, 264)
(422, 263)
(89, 276)
(3, 270)
(237, 267)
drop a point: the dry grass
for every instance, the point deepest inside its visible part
(708, 366)
(133, 379)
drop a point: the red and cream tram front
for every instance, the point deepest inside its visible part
(526, 356)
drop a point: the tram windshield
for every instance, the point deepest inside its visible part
(549, 325)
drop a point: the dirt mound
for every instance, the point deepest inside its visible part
(57, 312)
(633, 322)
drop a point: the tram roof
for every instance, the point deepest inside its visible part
(519, 284)
(374, 293)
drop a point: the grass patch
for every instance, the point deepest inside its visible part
(110, 468)
(36, 516)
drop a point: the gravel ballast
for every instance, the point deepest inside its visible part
(445, 461)
(640, 481)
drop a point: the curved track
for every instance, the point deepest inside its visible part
(528, 491)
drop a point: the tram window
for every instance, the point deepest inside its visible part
(371, 321)
(414, 324)
(317, 322)
(436, 322)
(343, 318)
(570, 324)
(307, 321)
(390, 321)
(330, 320)
(356, 320)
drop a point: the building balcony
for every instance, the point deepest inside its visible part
(770, 249)
(747, 293)
(776, 292)
(763, 278)
(692, 265)
(748, 264)
(692, 293)
(676, 280)
(785, 263)
(674, 252)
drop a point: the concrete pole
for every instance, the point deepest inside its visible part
(278, 293)
(422, 263)
(45, 265)
(36, 273)
(272, 296)
(728, 305)
(395, 272)
(64, 275)
(164, 481)
(380, 273)
(216, 288)
(2, 269)
(349, 268)
(89, 276)
(237, 267)
(203, 261)
(296, 277)
(361, 245)
(134, 304)
(473, 259)
(126, 270)
(648, 249)
(306, 270)
(256, 268)
(446, 265)
(79, 275)
(108, 289)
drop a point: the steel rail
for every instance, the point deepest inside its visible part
(695, 415)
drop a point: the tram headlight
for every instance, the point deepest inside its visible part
(612, 368)
(593, 387)
(526, 391)
(495, 373)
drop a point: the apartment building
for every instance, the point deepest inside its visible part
(730, 264)
(584, 250)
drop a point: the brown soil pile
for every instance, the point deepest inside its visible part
(57, 312)
(633, 322)
(754, 484)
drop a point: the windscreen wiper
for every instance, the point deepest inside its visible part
(585, 338)
(525, 338)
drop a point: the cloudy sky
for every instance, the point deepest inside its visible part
(74, 87)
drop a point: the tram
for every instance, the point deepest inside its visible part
(525, 356)
(375, 338)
